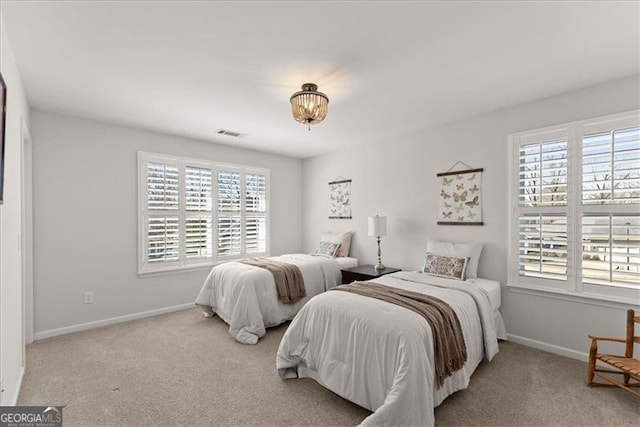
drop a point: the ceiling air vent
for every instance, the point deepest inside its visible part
(230, 133)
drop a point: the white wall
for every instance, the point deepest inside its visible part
(11, 306)
(85, 219)
(396, 177)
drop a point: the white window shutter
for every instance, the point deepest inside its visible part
(256, 208)
(611, 248)
(611, 167)
(542, 246)
(229, 235)
(162, 187)
(163, 239)
(198, 195)
(543, 173)
(229, 195)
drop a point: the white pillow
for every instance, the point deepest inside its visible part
(470, 250)
(344, 239)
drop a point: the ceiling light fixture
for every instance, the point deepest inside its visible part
(309, 106)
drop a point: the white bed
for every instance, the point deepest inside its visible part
(246, 298)
(379, 355)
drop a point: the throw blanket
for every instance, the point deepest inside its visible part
(449, 349)
(288, 278)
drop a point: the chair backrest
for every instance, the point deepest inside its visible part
(632, 319)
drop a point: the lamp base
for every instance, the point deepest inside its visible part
(379, 267)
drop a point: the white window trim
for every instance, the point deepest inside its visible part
(573, 288)
(147, 269)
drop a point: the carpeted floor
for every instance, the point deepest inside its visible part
(184, 369)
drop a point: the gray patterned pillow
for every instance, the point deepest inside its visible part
(445, 266)
(326, 249)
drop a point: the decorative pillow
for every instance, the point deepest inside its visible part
(468, 250)
(326, 249)
(445, 266)
(344, 239)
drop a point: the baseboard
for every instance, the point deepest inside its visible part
(105, 322)
(550, 348)
(13, 400)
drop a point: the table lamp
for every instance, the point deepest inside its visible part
(378, 228)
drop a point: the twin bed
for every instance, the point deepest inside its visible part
(378, 355)
(246, 298)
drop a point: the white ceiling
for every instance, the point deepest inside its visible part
(190, 68)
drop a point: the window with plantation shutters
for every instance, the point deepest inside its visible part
(611, 206)
(162, 224)
(229, 213)
(198, 202)
(242, 212)
(194, 213)
(256, 212)
(542, 201)
(575, 208)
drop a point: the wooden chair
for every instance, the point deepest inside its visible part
(625, 365)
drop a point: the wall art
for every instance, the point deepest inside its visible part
(460, 197)
(340, 199)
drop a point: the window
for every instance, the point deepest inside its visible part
(575, 208)
(195, 213)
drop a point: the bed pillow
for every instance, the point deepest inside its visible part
(468, 250)
(445, 266)
(343, 239)
(327, 249)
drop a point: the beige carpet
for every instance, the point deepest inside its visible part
(184, 369)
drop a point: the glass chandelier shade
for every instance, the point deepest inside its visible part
(309, 106)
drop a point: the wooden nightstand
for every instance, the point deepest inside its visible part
(364, 272)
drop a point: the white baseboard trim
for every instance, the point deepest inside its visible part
(105, 322)
(550, 348)
(13, 400)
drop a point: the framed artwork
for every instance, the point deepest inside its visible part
(340, 199)
(3, 119)
(460, 197)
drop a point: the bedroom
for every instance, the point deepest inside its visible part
(85, 96)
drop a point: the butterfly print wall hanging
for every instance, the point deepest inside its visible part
(340, 199)
(460, 192)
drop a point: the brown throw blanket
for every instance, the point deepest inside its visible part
(449, 348)
(288, 278)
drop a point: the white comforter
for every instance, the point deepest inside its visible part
(379, 355)
(246, 298)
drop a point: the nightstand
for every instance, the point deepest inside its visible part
(364, 272)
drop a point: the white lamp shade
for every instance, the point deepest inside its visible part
(377, 226)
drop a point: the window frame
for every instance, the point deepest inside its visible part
(573, 286)
(183, 263)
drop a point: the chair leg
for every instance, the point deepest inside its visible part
(592, 361)
(614, 384)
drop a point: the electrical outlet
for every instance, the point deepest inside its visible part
(88, 298)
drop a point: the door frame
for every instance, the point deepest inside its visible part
(26, 235)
